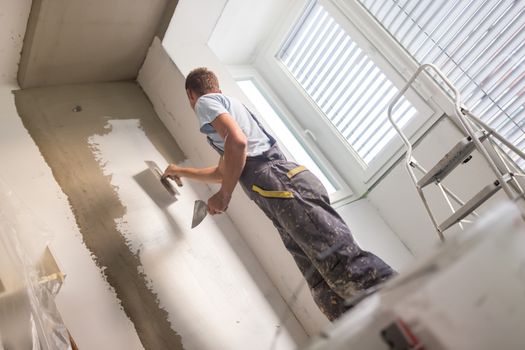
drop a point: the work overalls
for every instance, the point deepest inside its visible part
(299, 207)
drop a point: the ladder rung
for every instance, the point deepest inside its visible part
(471, 205)
(451, 160)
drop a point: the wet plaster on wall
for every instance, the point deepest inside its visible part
(62, 137)
(204, 283)
(208, 281)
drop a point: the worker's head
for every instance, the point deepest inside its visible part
(201, 81)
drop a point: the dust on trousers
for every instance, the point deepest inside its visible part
(299, 207)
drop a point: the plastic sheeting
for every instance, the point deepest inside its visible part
(29, 318)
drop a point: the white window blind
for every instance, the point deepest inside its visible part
(345, 84)
(478, 44)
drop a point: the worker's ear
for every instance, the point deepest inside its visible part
(192, 97)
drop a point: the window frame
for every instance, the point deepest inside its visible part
(344, 193)
(355, 19)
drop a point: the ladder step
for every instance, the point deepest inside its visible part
(471, 205)
(451, 160)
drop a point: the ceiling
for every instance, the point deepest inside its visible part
(80, 41)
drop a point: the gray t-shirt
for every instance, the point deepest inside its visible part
(210, 106)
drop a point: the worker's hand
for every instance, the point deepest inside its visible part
(218, 203)
(173, 172)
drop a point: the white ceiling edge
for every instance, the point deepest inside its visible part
(243, 26)
(13, 22)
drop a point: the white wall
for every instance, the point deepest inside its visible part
(87, 303)
(239, 33)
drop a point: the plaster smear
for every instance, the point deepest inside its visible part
(34, 188)
(61, 131)
(200, 278)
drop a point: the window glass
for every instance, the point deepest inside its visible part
(285, 137)
(344, 83)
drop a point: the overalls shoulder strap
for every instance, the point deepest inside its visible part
(270, 137)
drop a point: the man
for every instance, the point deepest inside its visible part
(333, 264)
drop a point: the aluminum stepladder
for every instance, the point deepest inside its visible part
(479, 136)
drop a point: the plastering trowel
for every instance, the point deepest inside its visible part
(200, 210)
(164, 181)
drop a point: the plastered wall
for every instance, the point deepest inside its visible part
(87, 303)
(180, 288)
(28, 178)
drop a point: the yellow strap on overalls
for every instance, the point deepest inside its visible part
(296, 171)
(272, 194)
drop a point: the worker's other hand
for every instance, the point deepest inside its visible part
(173, 172)
(218, 203)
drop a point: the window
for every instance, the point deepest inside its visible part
(287, 140)
(479, 45)
(337, 85)
(346, 85)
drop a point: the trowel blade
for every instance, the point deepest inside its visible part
(200, 210)
(158, 174)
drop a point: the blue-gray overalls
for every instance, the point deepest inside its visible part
(299, 207)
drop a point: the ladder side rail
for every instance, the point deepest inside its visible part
(503, 160)
(495, 134)
(408, 144)
(405, 139)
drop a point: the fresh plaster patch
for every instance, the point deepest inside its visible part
(211, 300)
(207, 279)
(61, 135)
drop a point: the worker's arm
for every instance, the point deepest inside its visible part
(232, 163)
(230, 166)
(208, 175)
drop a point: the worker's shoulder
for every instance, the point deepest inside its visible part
(212, 101)
(215, 97)
(220, 97)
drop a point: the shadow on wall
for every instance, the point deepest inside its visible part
(151, 186)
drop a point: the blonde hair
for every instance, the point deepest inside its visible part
(202, 81)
